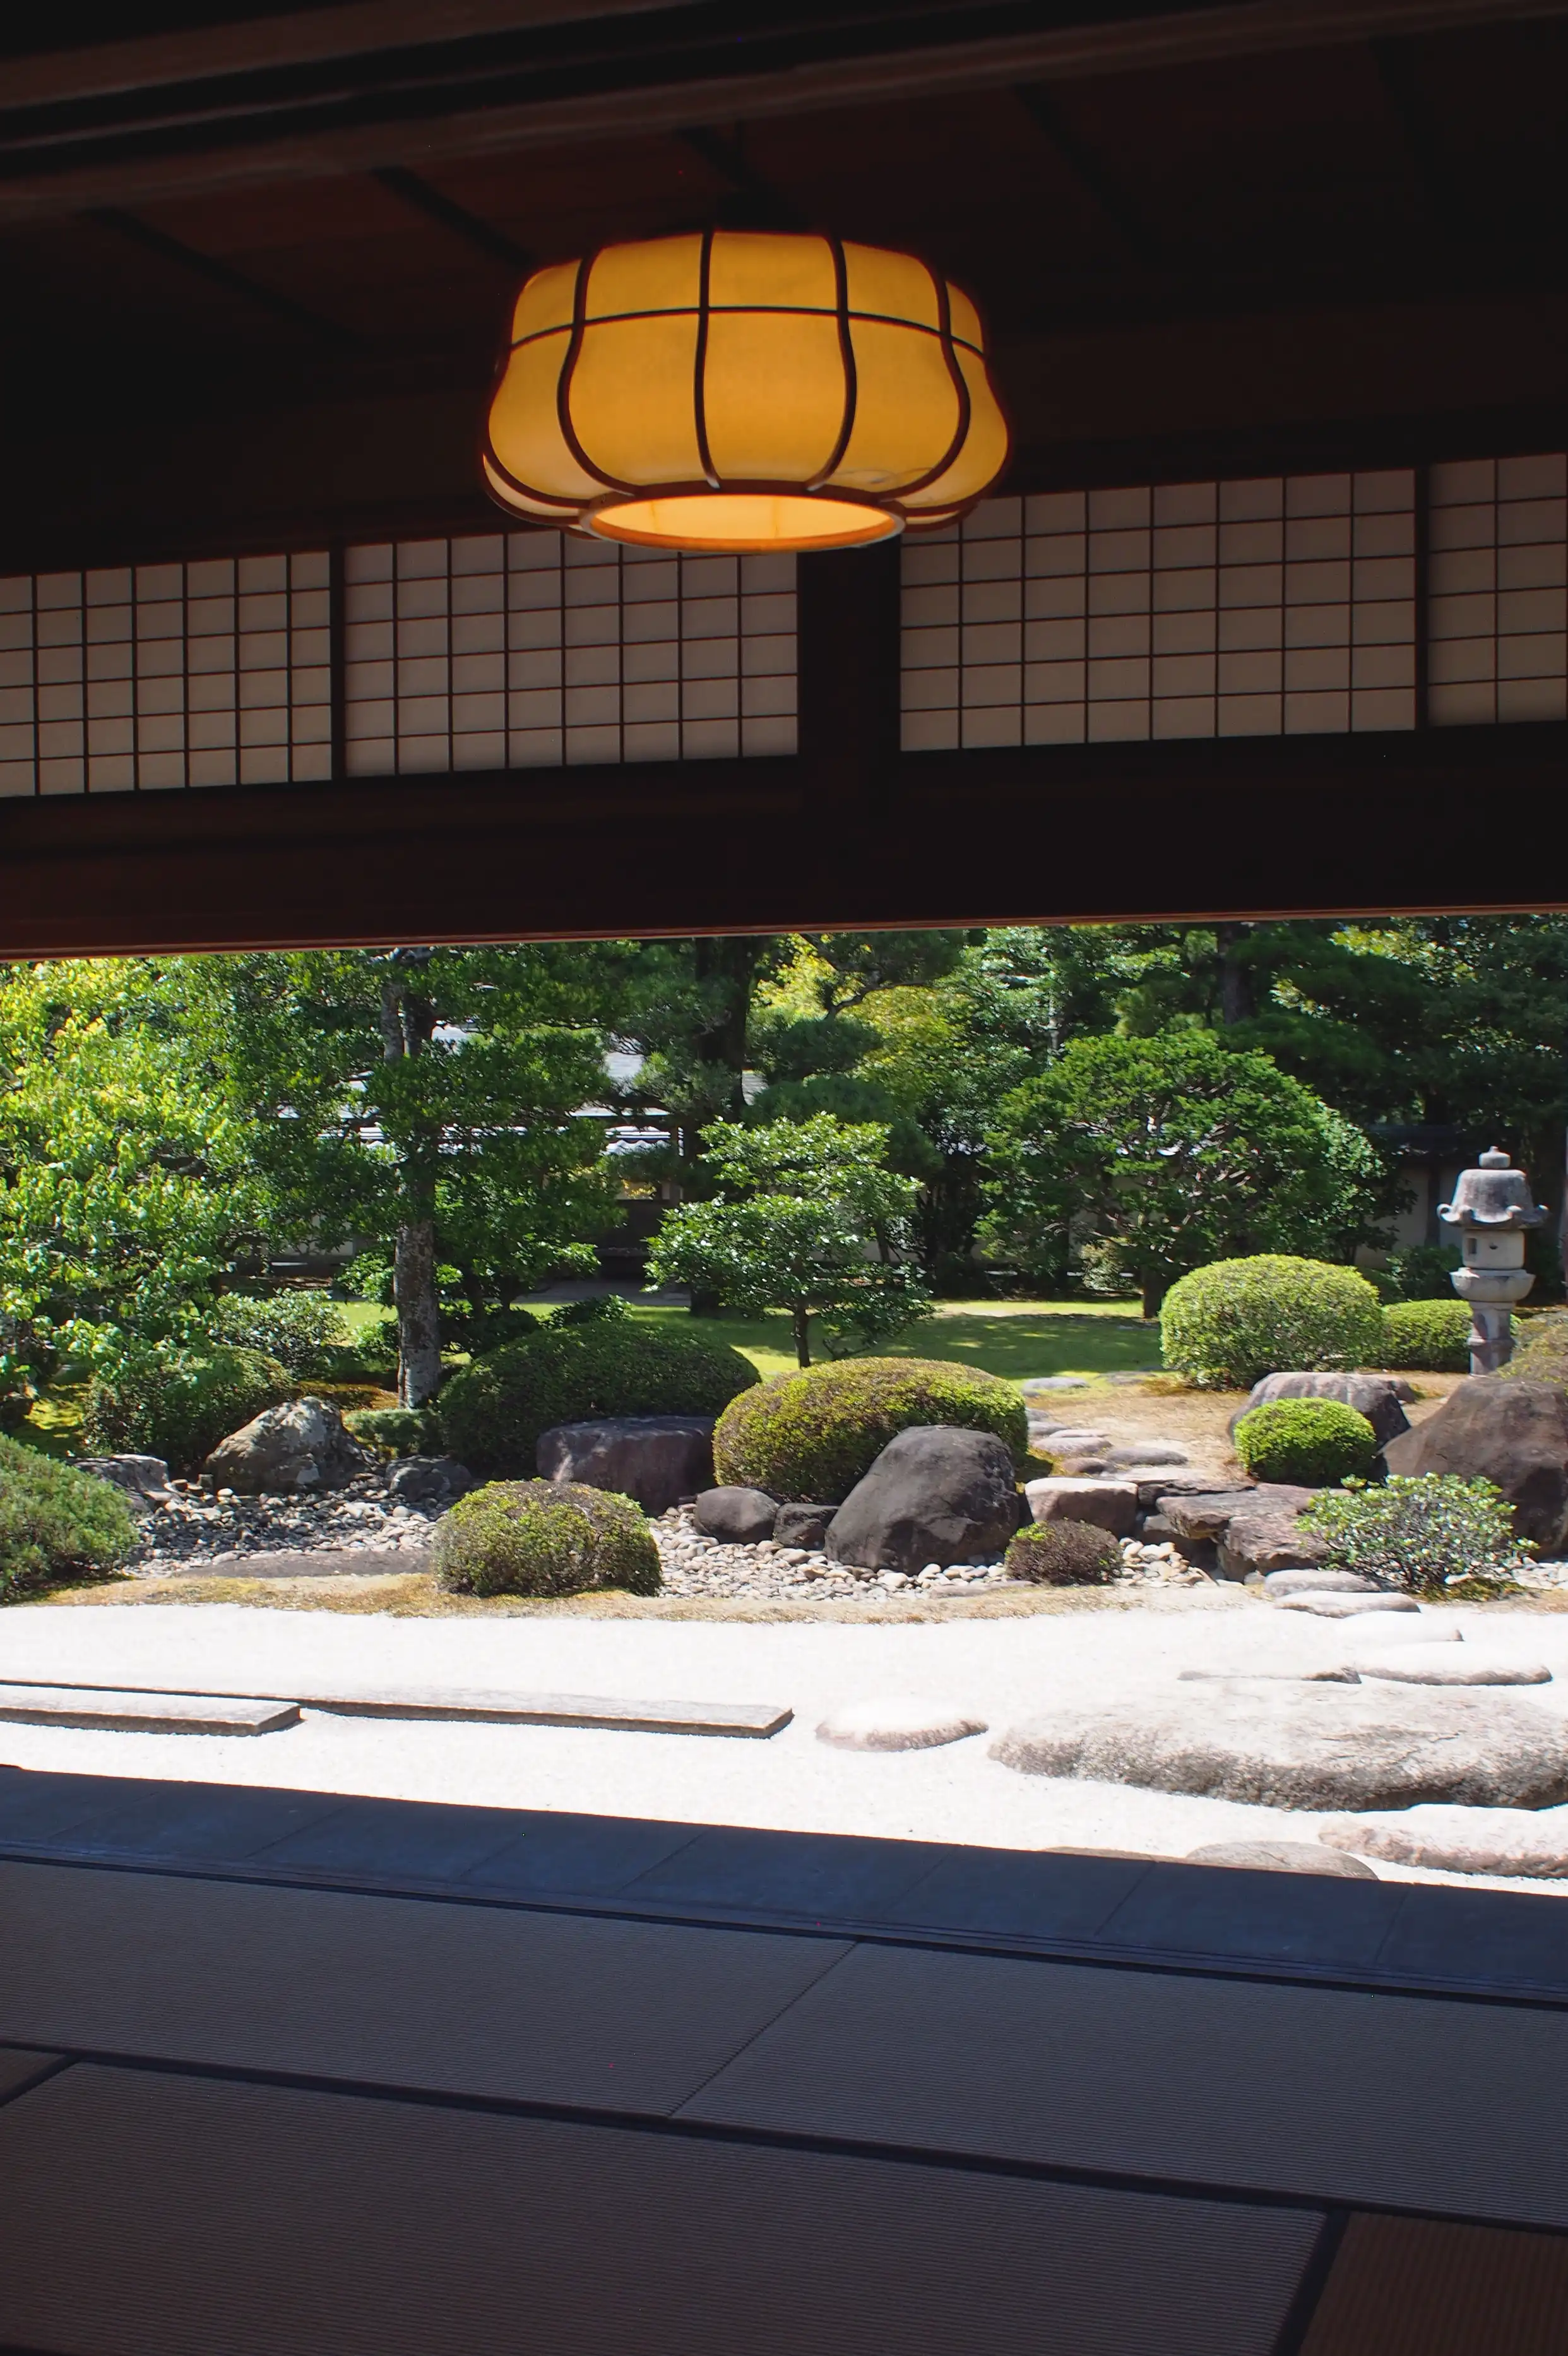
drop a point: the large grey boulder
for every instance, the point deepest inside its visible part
(1066, 1497)
(143, 1479)
(1377, 1396)
(657, 1459)
(301, 1445)
(935, 1494)
(1264, 1542)
(739, 1517)
(1515, 1433)
(1311, 1745)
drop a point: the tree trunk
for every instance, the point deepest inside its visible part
(419, 1314)
(1235, 975)
(802, 1335)
(1152, 1293)
(408, 1025)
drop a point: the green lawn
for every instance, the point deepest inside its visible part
(1016, 1338)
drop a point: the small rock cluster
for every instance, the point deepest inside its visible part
(696, 1565)
(201, 1530)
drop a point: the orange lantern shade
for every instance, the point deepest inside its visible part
(741, 390)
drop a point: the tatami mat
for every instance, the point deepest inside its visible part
(1401, 2287)
(1395, 2100)
(147, 2215)
(475, 2000)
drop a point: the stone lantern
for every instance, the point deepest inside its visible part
(1493, 1211)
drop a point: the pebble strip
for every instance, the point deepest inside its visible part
(200, 1531)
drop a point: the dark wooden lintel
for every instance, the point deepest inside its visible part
(1245, 827)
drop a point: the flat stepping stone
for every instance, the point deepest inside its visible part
(1530, 1843)
(1037, 1383)
(637, 1716)
(897, 1723)
(1068, 1442)
(318, 1562)
(143, 1713)
(1387, 1632)
(1346, 1607)
(1468, 1665)
(1306, 1745)
(1283, 1856)
(1319, 1582)
(1150, 1451)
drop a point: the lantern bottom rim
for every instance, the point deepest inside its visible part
(742, 522)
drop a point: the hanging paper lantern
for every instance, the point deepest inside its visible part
(742, 390)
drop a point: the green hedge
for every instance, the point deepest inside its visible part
(491, 1414)
(543, 1538)
(1228, 1324)
(809, 1436)
(181, 1412)
(405, 1430)
(1431, 1337)
(1317, 1443)
(1540, 1350)
(57, 1526)
(305, 1332)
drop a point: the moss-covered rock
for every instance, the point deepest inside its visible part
(810, 1436)
(1063, 1553)
(542, 1538)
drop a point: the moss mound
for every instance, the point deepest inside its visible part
(1063, 1553)
(1540, 1351)
(491, 1414)
(57, 1526)
(1227, 1324)
(180, 1412)
(1317, 1442)
(543, 1538)
(1431, 1337)
(809, 1436)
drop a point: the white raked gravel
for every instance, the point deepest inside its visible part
(1001, 1670)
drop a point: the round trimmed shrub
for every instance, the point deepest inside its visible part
(181, 1411)
(809, 1436)
(544, 1538)
(1317, 1443)
(1063, 1553)
(1226, 1325)
(491, 1414)
(1431, 1337)
(305, 1332)
(57, 1526)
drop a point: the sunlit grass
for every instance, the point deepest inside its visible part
(1013, 1338)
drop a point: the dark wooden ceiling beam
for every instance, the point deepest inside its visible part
(1132, 234)
(217, 273)
(435, 104)
(480, 236)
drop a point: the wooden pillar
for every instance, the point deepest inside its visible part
(849, 670)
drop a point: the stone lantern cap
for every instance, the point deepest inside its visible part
(1494, 1195)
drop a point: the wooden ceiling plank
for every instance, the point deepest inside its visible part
(219, 274)
(480, 236)
(1058, 53)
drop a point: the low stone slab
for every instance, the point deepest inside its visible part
(633, 1717)
(1319, 1581)
(1106, 1504)
(142, 1713)
(1041, 1383)
(310, 1562)
(897, 1723)
(1383, 1633)
(1283, 1856)
(1149, 1451)
(1268, 1539)
(143, 1479)
(1306, 1745)
(1346, 1607)
(1466, 1665)
(1527, 1842)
